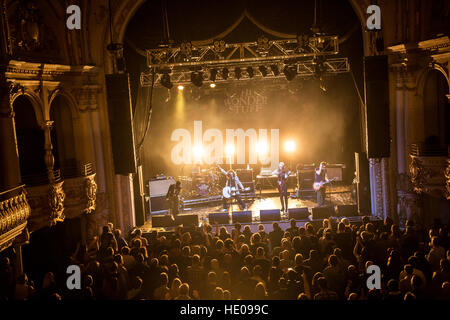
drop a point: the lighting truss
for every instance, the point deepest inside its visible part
(263, 50)
(305, 69)
(304, 53)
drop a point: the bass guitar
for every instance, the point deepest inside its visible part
(319, 185)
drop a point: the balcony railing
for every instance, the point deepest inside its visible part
(14, 213)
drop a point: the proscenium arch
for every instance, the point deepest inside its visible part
(125, 12)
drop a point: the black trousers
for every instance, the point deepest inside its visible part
(321, 197)
(174, 206)
(282, 189)
(238, 199)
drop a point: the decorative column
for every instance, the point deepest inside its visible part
(56, 193)
(49, 158)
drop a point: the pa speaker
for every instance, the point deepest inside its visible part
(348, 210)
(121, 123)
(298, 213)
(219, 217)
(270, 215)
(187, 220)
(242, 216)
(322, 212)
(159, 221)
(376, 85)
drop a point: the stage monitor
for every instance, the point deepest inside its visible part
(270, 215)
(242, 216)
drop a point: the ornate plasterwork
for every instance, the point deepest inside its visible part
(428, 175)
(56, 198)
(14, 213)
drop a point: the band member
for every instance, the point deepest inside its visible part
(233, 182)
(172, 198)
(283, 173)
(321, 176)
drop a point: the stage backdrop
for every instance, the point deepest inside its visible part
(198, 125)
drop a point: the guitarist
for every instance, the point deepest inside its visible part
(283, 173)
(233, 182)
(320, 177)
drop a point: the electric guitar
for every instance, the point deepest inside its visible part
(229, 192)
(319, 185)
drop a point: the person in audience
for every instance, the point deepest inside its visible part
(202, 264)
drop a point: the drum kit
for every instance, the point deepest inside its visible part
(201, 183)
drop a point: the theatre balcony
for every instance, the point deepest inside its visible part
(14, 214)
(46, 197)
(429, 169)
(80, 189)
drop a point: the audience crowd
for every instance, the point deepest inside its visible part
(208, 262)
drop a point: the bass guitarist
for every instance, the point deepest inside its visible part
(233, 182)
(321, 179)
(283, 173)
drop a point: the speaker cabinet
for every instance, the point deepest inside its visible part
(322, 212)
(160, 221)
(298, 213)
(187, 220)
(121, 123)
(158, 204)
(242, 216)
(270, 215)
(219, 217)
(348, 210)
(376, 85)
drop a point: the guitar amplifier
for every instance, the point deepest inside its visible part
(159, 187)
(158, 190)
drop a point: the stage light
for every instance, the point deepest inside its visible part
(237, 73)
(197, 151)
(165, 81)
(225, 73)
(213, 75)
(250, 72)
(263, 70)
(180, 87)
(290, 71)
(262, 147)
(275, 70)
(212, 85)
(197, 78)
(289, 146)
(229, 149)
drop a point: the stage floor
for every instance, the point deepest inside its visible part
(266, 201)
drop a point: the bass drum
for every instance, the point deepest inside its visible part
(203, 189)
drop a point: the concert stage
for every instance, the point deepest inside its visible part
(267, 200)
